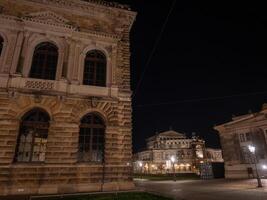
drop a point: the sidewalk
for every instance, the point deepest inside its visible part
(206, 190)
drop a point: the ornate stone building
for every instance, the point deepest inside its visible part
(65, 98)
(236, 135)
(188, 154)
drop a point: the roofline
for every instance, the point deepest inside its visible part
(110, 4)
(234, 121)
(247, 116)
(100, 3)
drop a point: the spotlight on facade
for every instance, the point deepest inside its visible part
(140, 168)
(173, 168)
(251, 148)
(264, 167)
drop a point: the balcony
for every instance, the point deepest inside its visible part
(60, 87)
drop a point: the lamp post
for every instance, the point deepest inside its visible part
(252, 150)
(141, 167)
(172, 161)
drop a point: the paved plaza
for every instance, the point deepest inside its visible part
(206, 189)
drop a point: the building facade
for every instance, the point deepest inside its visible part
(187, 154)
(65, 98)
(236, 136)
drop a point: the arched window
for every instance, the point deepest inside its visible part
(91, 139)
(32, 139)
(95, 69)
(44, 62)
(1, 45)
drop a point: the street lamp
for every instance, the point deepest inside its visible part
(252, 150)
(141, 169)
(172, 161)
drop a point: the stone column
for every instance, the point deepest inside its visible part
(9, 52)
(76, 65)
(17, 52)
(70, 66)
(24, 46)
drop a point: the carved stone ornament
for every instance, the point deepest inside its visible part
(50, 18)
(94, 101)
(37, 98)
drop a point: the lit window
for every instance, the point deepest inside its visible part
(199, 151)
(32, 139)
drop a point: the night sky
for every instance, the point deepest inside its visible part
(210, 64)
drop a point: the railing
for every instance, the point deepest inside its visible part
(61, 86)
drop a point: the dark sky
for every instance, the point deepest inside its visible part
(208, 49)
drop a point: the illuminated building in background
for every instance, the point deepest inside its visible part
(188, 154)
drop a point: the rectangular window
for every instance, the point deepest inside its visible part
(248, 136)
(242, 137)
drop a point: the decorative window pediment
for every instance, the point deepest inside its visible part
(50, 18)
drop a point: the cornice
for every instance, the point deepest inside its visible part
(109, 4)
(74, 30)
(29, 19)
(93, 6)
(97, 34)
(9, 17)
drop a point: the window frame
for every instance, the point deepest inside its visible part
(91, 134)
(2, 41)
(32, 124)
(95, 62)
(38, 53)
(62, 50)
(5, 47)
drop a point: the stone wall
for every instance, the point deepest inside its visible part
(61, 172)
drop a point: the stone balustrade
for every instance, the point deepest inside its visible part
(60, 87)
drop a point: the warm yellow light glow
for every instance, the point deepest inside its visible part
(146, 166)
